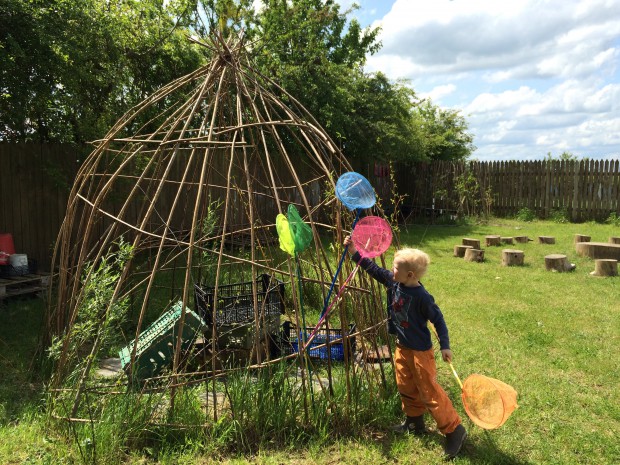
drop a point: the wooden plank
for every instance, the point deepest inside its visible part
(606, 187)
(616, 187)
(589, 194)
(4, 196)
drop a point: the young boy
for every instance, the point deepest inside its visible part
(410, 307)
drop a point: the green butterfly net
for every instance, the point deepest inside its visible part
(295, 235)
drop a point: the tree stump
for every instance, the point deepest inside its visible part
(546, 240)
(507, 240)
(475, 243)
(605, 267)
(558, 262)
(474, 255)
(598, 250)
(492, 240)
(582, 238)
(522, 239)
(512, 257)
(613, 240)
(459, 250)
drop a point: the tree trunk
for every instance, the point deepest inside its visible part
(475, 243)
(508, 240)
(546, 240)
(522, 239)
(512, 257)
(492, 240)
(598, 250)
(474, 255)
(459, 250)
(582, 238)
(605, 267)
(558, 262)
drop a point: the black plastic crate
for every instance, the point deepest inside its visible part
(291, 338)
(236, 301)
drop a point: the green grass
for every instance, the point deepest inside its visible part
(554, 337)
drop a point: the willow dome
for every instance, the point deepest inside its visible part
(193, 179)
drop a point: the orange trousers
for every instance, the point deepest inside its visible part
(416, 379)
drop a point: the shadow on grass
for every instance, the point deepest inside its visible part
(482, 449)
(20, 384)
(486, 451)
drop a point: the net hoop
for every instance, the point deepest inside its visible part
(354, 191)
(372, 236)
(488, 401)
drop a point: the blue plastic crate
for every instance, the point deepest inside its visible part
(336, 351)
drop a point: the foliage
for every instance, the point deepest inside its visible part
(443, 132)
(559, 215)
(69, 70)
(525, 214)
(468, 191)
(100, 315)
(564, 156)
(613, 218)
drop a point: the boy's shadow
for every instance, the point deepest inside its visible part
(481, 449)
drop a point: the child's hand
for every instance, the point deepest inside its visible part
(446, 354)
(349, 242)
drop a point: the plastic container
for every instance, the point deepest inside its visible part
(19, 264)
(236, 301)
(6, 248)
(156, 345)
(290, 342)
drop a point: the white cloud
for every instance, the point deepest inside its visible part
(438, 92)
(532, 76)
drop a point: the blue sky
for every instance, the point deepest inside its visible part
(530, 76)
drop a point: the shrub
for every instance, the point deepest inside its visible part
(560, 215)
(613, 219)
(525, 214)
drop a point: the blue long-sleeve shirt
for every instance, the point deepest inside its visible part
(409, 309)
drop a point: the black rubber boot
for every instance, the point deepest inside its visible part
(454, 441)
(414, 425)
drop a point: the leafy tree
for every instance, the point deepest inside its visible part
(443, 131)
(564, 156)
(312, 50)
(69, 68)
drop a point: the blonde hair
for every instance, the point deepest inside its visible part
(414, 259)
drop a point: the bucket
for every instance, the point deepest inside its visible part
(6, 244)
(19, 264)
(18, 259)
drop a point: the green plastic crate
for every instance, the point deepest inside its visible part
(156, 344)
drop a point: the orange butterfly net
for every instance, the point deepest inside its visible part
(487, 401)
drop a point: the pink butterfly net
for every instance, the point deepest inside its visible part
(372, 236)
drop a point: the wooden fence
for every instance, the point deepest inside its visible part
(35, 181)
(585, 190)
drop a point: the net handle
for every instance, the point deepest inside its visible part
(344, 254)
(456, 376)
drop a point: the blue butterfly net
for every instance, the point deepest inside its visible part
(354, 191)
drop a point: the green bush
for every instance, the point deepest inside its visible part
(560, 215)
(613, 219)
(525, 214)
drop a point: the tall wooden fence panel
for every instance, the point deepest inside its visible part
(584, 190)
(35, 180)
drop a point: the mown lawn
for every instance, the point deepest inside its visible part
(555, 337)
